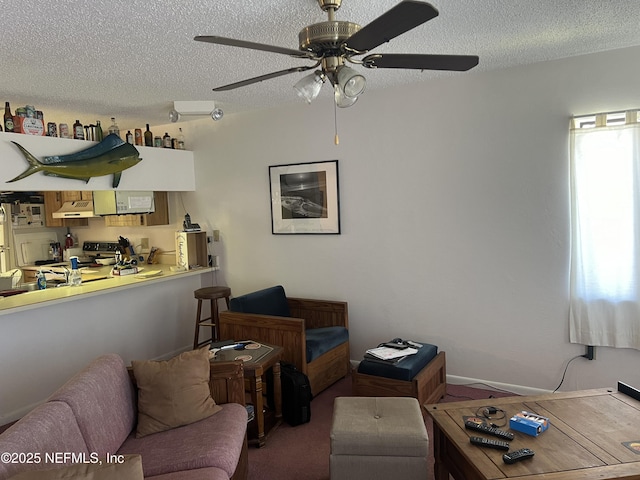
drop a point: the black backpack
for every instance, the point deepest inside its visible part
(296, 395)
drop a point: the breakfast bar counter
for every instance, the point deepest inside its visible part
(96, 281)
(48, 335)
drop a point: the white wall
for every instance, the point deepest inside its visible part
(455, 213)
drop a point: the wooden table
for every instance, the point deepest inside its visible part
(586, 438)
(265, 359)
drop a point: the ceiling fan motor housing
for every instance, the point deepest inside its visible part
(329, 4)
(326, 38)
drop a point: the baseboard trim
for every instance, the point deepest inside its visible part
(486, 384)
(491, 385)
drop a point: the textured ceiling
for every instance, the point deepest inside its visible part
(131, 58)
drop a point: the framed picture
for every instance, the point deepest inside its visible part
(304, 198)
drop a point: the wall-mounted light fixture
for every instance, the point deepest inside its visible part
(194, 107)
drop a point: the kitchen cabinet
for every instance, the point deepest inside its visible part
(54, 200)
(159, 217)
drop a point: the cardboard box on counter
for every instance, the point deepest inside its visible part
(191, 250)
(128, 270)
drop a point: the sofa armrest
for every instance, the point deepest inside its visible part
(320, 313)
(226, 382)
(286, 332)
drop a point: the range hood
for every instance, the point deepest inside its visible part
(77, 209)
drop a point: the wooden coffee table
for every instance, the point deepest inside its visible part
(590, 437)
(262, 359)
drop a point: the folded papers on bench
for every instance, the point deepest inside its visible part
(390, 354)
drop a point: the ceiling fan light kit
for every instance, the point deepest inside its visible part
(309, 86)
(332, 43)
(351, 82)
(342, 100)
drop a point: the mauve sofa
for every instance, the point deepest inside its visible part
(95, 413)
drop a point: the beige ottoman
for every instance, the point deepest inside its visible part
(378, 438)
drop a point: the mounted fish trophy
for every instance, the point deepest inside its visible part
(111, 156)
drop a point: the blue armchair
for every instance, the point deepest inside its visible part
(314, 334)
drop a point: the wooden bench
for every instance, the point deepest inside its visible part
(428, 386)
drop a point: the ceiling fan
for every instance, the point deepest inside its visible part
(333, 43)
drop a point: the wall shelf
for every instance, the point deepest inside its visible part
(161, 169)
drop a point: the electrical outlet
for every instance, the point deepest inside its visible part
(591, 353)
(144, 244)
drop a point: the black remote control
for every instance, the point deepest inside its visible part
(489, 442)
(484, 428)
(517, 455)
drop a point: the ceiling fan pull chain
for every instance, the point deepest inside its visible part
(335, 122)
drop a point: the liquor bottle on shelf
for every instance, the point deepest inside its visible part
(78, 131)
(166, 140)
(64, 130)
(129, 137)
(8, 118)
(180, 140)
(148, 137)
(113, 128)
(99, 134)
(138, 137)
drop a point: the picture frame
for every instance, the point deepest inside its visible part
(305, 198)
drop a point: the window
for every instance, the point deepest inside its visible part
(605, 246)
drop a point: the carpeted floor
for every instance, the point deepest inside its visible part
(302, 452)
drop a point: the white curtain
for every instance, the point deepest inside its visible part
(605, 244)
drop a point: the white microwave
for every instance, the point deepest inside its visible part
(109, 202)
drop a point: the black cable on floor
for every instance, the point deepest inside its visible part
(565, 371)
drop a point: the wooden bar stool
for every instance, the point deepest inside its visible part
(213, 294)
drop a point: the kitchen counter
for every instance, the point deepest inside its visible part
(48, 335)
(96, 281)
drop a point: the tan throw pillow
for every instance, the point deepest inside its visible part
(173, 393)
(129, 469)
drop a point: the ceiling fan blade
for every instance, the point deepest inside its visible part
(400, 19)
(459, 63)
(261, 78)
(254, 46)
